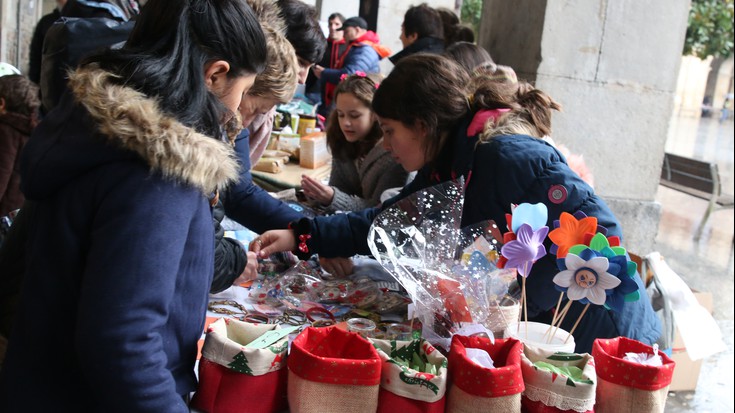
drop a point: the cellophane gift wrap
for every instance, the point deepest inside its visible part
(558, 382)
(474, 388)
(626, 386)
(234, 378)
(447, 271)
(413, 377)
(332, 371)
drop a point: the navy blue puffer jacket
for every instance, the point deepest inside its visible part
(509, 170)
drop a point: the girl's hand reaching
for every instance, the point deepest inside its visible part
(339, 267)
(273, 241)
(316, 190)
(250, 272)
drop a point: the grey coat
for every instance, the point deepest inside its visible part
(357, 188)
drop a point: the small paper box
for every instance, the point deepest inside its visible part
(686, 375)
(313, 151)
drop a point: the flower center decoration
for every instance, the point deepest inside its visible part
(585, 278)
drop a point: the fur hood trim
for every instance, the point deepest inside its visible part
(135, 122)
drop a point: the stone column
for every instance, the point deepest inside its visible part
(17, 21)
(613, 65)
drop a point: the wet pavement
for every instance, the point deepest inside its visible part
(706, 265)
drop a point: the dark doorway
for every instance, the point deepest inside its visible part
(369, 12)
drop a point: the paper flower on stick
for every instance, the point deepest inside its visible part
(527, 248)
(587, 277)
(525, 242)
(571, 230)
(620, 267)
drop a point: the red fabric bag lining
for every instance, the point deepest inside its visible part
(611, 367)
(331, 355)
(504, 380)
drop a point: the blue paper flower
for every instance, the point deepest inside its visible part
(534, 215)
(628, 288)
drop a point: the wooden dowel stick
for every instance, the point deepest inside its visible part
(577, 322)
(560, 320)
(556, 314)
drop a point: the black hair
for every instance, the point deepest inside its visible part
(454, 30)
(339, 16)
(170, 45)
(303, 30)
(470, 56)
(423, 21)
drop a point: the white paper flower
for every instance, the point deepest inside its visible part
(586, 279)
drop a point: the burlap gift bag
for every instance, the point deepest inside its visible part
(625, 386)
(235, 378)
(473, 388)
(332, 370)
(557, 382)
(413, 377)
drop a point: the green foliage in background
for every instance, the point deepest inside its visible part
(710, 30)
(472, 12)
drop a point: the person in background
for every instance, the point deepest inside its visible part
(122, 174)
(363, 53)
(475, 60)
(726, 112)
(60, 54)
(298, 22)
(19, 105)
(454, 30)
(87, 26)
(304, 33)
(336, 45)
(435, 121)
(361, 168)
(244, 202)
(421, 31)
(122, 10)
(276, 84)
(337, 48)
(39, 33)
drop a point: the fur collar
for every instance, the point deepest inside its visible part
(134, 121)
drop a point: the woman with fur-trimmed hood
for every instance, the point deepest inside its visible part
(122, 174)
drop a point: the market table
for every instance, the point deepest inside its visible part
(289, 177)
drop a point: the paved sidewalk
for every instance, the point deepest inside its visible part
(706, 265)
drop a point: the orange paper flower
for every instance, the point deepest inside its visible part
(571, 232)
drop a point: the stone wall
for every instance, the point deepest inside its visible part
(613, 66)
